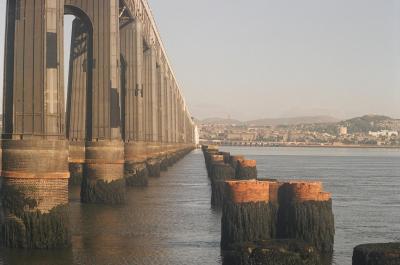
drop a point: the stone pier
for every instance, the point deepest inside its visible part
(103, 173)
(377, 254)
(266, 221)
(34, 194)
(125, 116)
(263, 211)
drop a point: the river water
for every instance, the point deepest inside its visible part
(171, 221)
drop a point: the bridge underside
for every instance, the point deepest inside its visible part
(125, 117)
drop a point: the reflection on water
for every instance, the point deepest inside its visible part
(171, 221)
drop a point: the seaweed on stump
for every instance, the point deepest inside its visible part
(76, 174)
(207, 158)
(172, 159)
(168, 160)
(100, 191)
(214, 159)
(219, 173)
(305, 213)
(377, 254)
(136, 174)
(164, 163)
(28, 224)
(103, 173)
(209, 149)
(233, 160)
(246, 213)
(154, 167)
(274, 186)
(246, 170)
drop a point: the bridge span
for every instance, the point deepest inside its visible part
(124, 118)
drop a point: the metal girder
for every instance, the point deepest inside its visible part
(125, 14)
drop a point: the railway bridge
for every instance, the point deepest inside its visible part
(123, 118)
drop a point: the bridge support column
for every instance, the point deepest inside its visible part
(34, 192)
(96, 90)
(133, 51)
(103, 173)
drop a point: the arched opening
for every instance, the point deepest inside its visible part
(78, 73)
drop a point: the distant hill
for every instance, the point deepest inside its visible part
(221, 121)
(272, 122)
(293, 121)
(367, 123)
(362, 124)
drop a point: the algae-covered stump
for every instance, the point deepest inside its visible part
(246, 213)
(219, 173)
(226, 155)
(164, 163)
(377, 254)
(305, 213)
(246, 169)
(233, 160)
(208, 153)
(259, 210)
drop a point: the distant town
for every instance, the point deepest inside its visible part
(365, 131)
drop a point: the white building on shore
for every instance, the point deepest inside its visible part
(384, 133)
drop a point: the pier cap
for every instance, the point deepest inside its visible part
(247, 163)
(217, 158)
(274, 186)
(234, 159)
(247, 191)
(302, 191)
(237, 157)
(210, 147)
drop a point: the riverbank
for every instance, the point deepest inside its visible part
(305, 145)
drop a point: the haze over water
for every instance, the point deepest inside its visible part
(279, 58)
(171, 221)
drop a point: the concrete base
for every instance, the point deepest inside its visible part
(103, 173)
(35, 194)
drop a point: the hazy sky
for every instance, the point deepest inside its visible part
(273, 58)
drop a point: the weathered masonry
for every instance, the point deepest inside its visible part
(125, 115)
